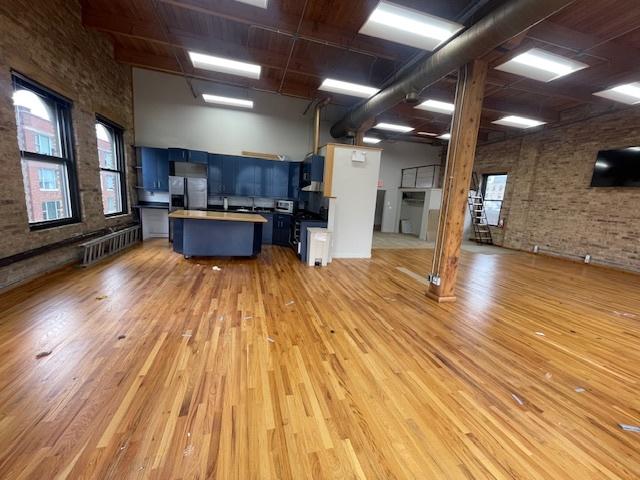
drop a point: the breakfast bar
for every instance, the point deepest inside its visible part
(199, 233)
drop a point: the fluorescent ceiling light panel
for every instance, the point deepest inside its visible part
(371, 140)
(408, 26)
(628, 93)
(445, 136)
(224, 65)
(518, 122)
(393, 127)
(541, 65)
(428, 134)
(233, 102)
(437, 106)
(255, 3)
(346, 88)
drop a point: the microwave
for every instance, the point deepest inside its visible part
(284, 206)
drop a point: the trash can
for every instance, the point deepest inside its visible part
(405, 226)
(318, 245)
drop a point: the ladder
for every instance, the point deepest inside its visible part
(481, 229)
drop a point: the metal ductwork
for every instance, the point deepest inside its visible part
(498, 27)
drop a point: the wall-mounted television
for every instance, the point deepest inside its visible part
(617, 168)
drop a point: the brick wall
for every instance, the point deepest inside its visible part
(45, 41)
(548, 201)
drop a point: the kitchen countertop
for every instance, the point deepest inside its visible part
(218, 216)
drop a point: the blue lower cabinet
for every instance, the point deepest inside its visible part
(267, 229)
(282, 229)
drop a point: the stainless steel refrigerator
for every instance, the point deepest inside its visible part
(187, 193)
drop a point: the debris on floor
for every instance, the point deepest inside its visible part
(216, 268)
(548, 376)
(269, 339)
(540, 334)
(629, 428)
(389, 299)
(580, 390)
(187, 334)
(248, 317)
(221, 318)
(625, 314)
(102, 297)
(333, 331)
(290, 302)
(517, 399)
(46, 353)
(121, 337)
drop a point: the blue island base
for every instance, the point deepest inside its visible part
(210, 238)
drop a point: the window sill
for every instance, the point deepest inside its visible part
(116, 215)
(53, 224)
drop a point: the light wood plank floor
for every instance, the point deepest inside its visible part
(271, 369)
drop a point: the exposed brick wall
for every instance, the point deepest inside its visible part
(548, 201)
(45, 40)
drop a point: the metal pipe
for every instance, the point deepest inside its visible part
(492, 31)
(316, 124)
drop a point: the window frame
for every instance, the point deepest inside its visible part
(120, 162)
(485, 177)
(67, 158)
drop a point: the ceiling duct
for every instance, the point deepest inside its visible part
(496, 28)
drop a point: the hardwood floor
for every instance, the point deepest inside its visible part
(271, 369)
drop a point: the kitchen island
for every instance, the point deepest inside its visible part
(198, 233)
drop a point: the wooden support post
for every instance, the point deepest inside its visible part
(461, 154)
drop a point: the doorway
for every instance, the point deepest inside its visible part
(377, 219)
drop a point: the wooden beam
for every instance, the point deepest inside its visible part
(460, 158)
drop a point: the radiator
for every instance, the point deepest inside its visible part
(99, 248)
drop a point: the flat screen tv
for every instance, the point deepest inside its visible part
(617, 168)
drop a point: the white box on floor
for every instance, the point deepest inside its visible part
(318, 246)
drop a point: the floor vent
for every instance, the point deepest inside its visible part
(99, 248)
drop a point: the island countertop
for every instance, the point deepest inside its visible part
(220, 216)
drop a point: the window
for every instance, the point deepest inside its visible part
(43, 121)
(111, 161)
(493, 187)
(48, 179)
(52, 210)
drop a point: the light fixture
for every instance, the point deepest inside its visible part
(233, 102)
(255, 3)
(518, 122)
(408, 26)
(393, 127)
(372, 140)
(437, 106)
(628, 93)
(541, 65)
(224, 65)
(634, 149)
(337, 86)
(428, 134)
(445, 136)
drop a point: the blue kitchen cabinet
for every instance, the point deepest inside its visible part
(155, 169)
(282, 229)
(245, 177)
(184, 155)
(267, 229)
(317, 168)
(214, 174)
(229, 173)
(263, 177)
(294, 180)
(279, 187)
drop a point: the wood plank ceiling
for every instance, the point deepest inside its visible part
(299, 43)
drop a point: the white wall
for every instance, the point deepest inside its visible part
(167, 115)
(395, 157)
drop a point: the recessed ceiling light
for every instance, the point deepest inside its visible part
(541, 65)
(445, 136)
(437, 106)
(518, 122)
(255, 3)
(393, 127)
(234, 102)
(337, 86)
(224, 65)
(634, 149)
(408, 26)
(428, 134)
(628, 93)
(371, 140)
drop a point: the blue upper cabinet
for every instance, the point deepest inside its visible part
(245, 177)
(184, 155)
(280, 180)
(214, 174)
(317, 168)
(263, 178)
(294, 179)
(155, 169)
(229, 174)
